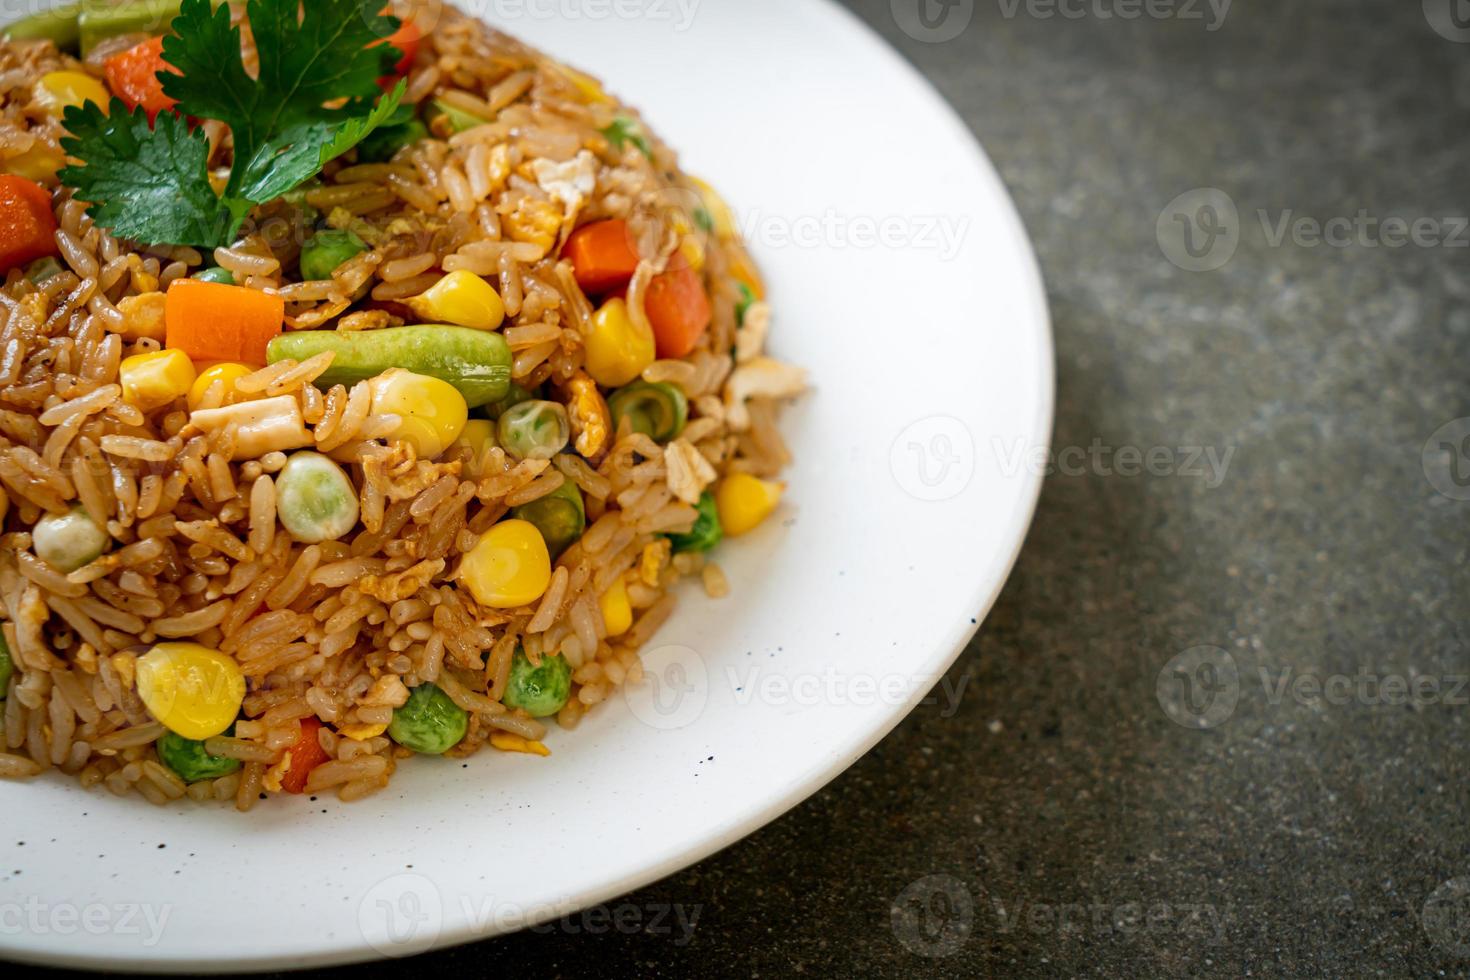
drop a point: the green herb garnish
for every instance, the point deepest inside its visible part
(315, 97)
(624, 131)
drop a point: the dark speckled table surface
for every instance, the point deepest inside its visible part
(1217, 724)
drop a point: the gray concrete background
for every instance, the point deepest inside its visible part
(1074, 829)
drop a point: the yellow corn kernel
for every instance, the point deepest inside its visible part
(463, 299)
(617, 611)
(190, 689)
(226, 373)
(478, 436)
(58, 89)
(509, 567)
(39, 164)
(153, 380)
(617, 350)
(744, 501)
(506, 742)
(431, 413)
(719, 212)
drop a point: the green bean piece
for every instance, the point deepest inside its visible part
(42, 269)
(100, 21)
(68, 541)
(61, 26)
(706, 532)
(315, 499)
(560, 516)
(188, 758)
(535, 430)
(476, 362)
(215, 274)
(538, 691)
(458, 119)
(384, 142)
(659, 411)
(747, 299)
(326, 250)
(6, 666)
(512, 398)
(429, 722)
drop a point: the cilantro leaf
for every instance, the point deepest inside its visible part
(314, 97)
(306, 60)
(149, 184)
(623, 131)
(299, 153)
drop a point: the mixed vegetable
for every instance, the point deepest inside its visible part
(327, 82)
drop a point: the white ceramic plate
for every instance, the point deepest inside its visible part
(902, 278)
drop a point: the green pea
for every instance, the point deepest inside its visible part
(188, 758)
(42, 269)
(429, 722)
(216, 274)
(706, 532)
(7, 667)
(535, 430)
(326, 250)
(538, 691)
(512, 398)
(476, 362)
(560, 516)
(383, 143)
(315, 499)
(68, 541)
(703, 219)
(458, 119)
(747, 299)
(659, 411)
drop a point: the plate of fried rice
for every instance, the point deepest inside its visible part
(460, 465)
